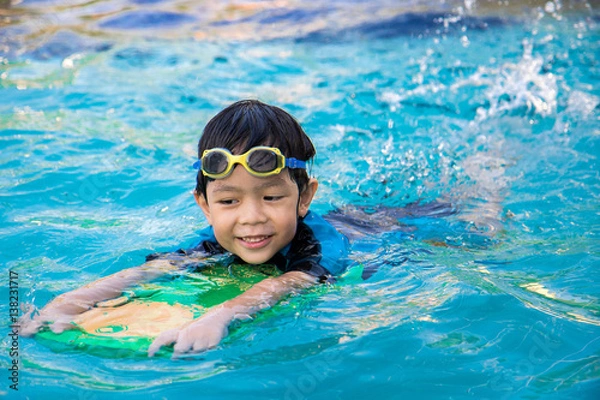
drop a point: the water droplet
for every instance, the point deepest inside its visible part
(464, 41)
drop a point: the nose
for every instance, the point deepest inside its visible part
(252, 212)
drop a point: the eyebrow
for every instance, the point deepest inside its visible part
(223, 187)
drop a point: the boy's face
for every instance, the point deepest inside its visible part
(252, 217)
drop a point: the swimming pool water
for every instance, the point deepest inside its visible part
(493, 109)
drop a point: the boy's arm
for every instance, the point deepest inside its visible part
(208, 330)
(60, 312)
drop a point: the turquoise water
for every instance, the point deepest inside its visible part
(492, 109)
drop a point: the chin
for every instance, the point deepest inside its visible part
(254, 258)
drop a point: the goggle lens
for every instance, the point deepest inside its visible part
(262, 160)
(215, 162)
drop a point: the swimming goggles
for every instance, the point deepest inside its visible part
(259, 161)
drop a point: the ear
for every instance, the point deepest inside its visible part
(201, 201)
(306, 197)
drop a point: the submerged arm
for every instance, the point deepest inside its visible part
(208, 330)
(267, 293)
(59, 313)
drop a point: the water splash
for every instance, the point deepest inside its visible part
(516, 86)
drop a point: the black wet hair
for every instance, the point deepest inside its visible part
(249, 123)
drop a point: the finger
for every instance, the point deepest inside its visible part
(60, 326)
(27, 309)
(29, 327)
(164, 339)
(189, 341)
(189, 348)
(183, 345)
(202, 345)
(209, 341)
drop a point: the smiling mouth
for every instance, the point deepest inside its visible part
(255, 241)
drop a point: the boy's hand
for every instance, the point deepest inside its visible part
(208, 330)
(197, 336)
(58, 316)
(60, 313)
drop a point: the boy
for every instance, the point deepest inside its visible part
(253, 189)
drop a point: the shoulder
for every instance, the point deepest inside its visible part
(207, 242)
(334, 245)
(326, 234)
(206, 234)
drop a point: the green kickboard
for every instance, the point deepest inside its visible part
(127, 326)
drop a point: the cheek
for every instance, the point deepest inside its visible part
(221, 223)
(288, 221)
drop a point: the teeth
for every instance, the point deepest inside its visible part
(254, 239)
